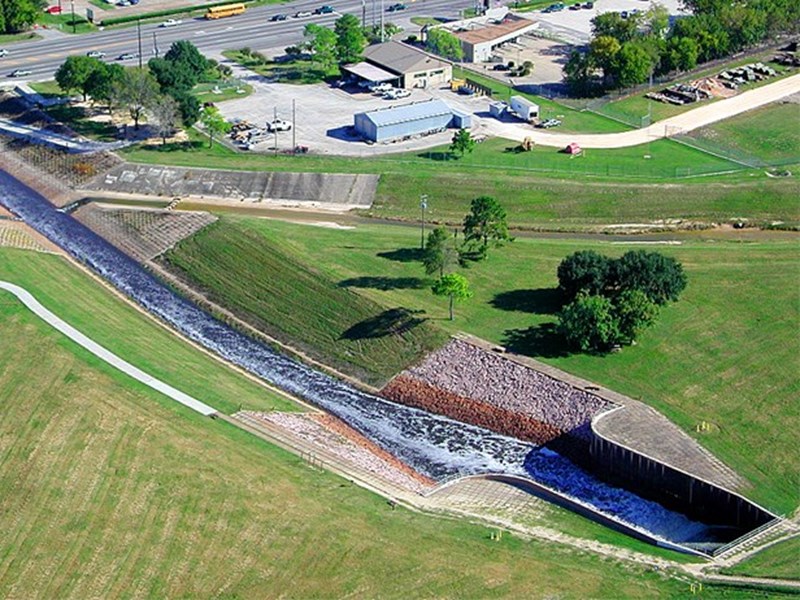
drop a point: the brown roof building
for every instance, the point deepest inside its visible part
(480, 36)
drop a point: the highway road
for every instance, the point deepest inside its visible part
(253, 29)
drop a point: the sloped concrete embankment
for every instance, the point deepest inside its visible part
(330, 191)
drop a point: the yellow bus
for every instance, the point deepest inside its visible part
(226, 10)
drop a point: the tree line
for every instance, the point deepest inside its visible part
(624, 52)
(162, 91)
(19, 15)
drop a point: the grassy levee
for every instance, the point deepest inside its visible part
(289, 300)
(117, 493)
(111, 322)
(781, 560)
(726, 353)
(770, 133)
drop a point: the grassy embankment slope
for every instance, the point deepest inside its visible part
(118, 491)
(111, 322)
(725, 353)
(781, 560)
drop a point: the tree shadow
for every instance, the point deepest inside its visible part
(542, 301)
(395, 321)
(403, 255)
(385, 283)
(538, 340)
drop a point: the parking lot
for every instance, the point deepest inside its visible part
(323, 115)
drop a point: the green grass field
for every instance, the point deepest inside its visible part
(781, 560)
(227, 91)
(299, 72)
(770, 134)
(116, 492)
(289, 300)
(727, 353)
(111, 322)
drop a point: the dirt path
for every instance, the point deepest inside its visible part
(688, 121)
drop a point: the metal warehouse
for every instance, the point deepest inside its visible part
(401, 121)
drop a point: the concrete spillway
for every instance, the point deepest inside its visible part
(436, 446)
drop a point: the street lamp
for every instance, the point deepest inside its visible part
(423, 205)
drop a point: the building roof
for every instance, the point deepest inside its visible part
(401, 58)
(490, 32)
(408, 112)
(369, 72)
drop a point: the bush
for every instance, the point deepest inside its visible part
(660, 277)
(584, 271)
(589, 323)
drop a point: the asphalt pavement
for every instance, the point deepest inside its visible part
(252, 28)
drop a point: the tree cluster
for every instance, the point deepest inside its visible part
(444, 43)
(485, 224)
(610, 302)
(341, 45)
(18, 15)
(625, 52)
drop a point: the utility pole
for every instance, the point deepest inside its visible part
(294, 125)
(139, 36)
(155, 45)
(72, 5)
(383, 36)
(423, 204)
(363, 14)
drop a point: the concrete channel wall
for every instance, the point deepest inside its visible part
(672, 487)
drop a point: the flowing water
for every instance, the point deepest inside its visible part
(436, 446)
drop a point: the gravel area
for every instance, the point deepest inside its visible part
(468, 371)
(335, 437)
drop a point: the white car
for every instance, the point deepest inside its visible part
(396, 94)
(3, 52)
(19, 73)
(380, 88)
(303, 14)
(279, 125)
(95, 54)
(171, 23)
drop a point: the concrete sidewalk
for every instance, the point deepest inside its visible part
(56, 140)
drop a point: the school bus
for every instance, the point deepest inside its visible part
(226, 10)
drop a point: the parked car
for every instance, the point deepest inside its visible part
(95, 54)
(380, 88)
(278, 125)
(171, 23)
(466, 91)
(324, 10)
(280, 17)
(396, 7)
(19, 73)
(396, 94)
(302, 14)
(128, 56)
(574, 6)
(3, 52)
(501, 67)
(549, 123)
(554, 7)
(588, 5)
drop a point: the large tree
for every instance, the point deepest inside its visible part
(660, 277)
(632, 65)
(102, 81)
(186, 54)
(583, 271)
(453, 286)
(164, 115)
(75, 71)
(444, 43)
(322, 42)
(136, 90)
(19, 15)
(350, 40)
(634, 312)
(589, 323)
(440, 252)
(486, 222)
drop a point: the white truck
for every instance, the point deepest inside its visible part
(524, 108)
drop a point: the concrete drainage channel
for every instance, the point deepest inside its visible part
(435, 446)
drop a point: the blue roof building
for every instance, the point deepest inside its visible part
(398, 122)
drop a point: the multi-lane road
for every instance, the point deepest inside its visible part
(253, 29)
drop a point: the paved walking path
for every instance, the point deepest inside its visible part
(58, 140)
(109, 357)
(688, 121)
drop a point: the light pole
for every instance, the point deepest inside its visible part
(423, 205)
(139, 38)
(72, 7)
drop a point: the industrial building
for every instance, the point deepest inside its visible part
(480, 36)
(401, 65)
(418, 118)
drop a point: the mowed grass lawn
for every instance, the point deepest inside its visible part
(100, 314)
(114, 491)
(781, 560)
(770, 133)
(726, 353)
(293, 302)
